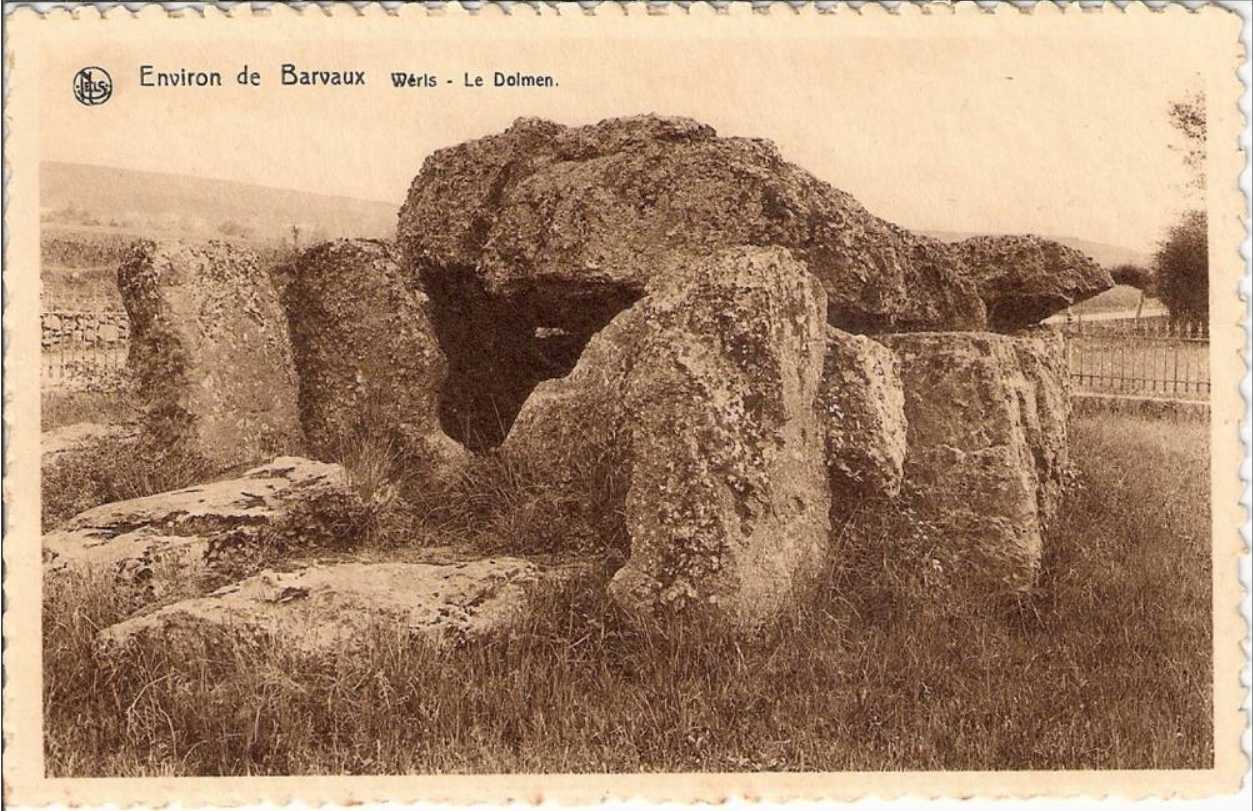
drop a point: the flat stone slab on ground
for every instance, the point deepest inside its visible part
(152, 543)
(326, 609)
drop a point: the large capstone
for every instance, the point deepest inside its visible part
(369, 364)
(551, 227)
(209, 352)
(706, 393)
(970, 472)
(1024, 279)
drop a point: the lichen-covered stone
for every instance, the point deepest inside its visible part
(1046, 405)
(366, 355)
(156, 545)
(209, 352)
(1024, 279)
(567, 221)
(333, 609)
(970, 475)
(551, 226)
(573, 439)
(707, 390)
(728, 504)
(863, 407)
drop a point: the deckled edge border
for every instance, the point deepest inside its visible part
(230, 8)
(179, 8)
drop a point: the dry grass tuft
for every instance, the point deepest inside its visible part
(115, 469)
(525, 499)
(59, 408)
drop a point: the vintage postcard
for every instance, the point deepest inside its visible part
(421, 405)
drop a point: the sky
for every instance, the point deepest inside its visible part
(1057, 136)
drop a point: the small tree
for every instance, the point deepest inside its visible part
(1182, 263)
(1132, 275)
(1141, 278)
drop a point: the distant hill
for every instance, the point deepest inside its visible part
(75, 194)
(1103, 253)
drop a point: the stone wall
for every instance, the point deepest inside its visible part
(99, 328)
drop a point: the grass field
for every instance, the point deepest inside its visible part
(1118, 298)
(872, 674)
(61, 408)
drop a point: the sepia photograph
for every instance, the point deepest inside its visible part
(508, 395)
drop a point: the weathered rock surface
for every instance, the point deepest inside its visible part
(209, 351)
(707, 390)
(1046, 405)
(563, 219)
(969, 471)
(333, 609)
(366, 355)
(863, 406)
(153, 545)
(552, 226)
(1024, 279)
(728, 500)
(573, 438)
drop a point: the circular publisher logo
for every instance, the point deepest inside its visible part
(93, 85)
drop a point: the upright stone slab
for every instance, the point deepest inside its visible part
(366, 356)
(1045, 401)
(707, 392)
(863, 408)
(970, 475)
(728, 505)
(209, 351)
